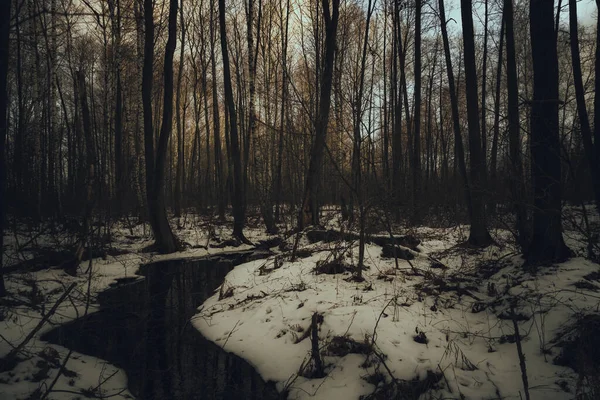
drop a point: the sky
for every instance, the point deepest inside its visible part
(586, 12)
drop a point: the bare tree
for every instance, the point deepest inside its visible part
(309, 212)
(514, 129)
(416, 147)
(479, 235)
(547, 244)
(597, 104)
(155, 163)
(460, 153)
(219, 173)
(239, 218)
(584, 120)
(180, 168)
(5, 7)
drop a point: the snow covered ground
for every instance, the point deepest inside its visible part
(32, 294)
(444, 318)
(439, 326)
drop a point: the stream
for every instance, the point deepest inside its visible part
(143, 326)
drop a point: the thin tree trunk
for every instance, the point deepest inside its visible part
(90, 190)
(478, 235)
(584, 120)
(219, 175)
(484, 91)
(416, 151)
(180, 142)
(384, 110)
(460, 153)
(309, 212)
(5, 7)
(514, 128)
(147, 84)
(357, 143)
(397, 183)
(495, 138)
(597, 103)
(283, 116)
(237, 200)
(208, 181)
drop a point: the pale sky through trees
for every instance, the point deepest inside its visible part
(586, 11)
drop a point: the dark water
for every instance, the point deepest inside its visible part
(144, 327)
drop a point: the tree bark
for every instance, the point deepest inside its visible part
(165, 240)
(597, 104)
(238, 183)
(180, 139)
(514, 128)
(584, 120)
(416, 148)
(147, 89)
(460, 152)
(547, 244)
(90, 190)
(219, 173)
(278, 184)
(5, 7)
(357, 144)
(496, 135)
(309, 212)
(478, 235)
(484, 90)
(397, 119)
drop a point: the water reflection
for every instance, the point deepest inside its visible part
(143, 327)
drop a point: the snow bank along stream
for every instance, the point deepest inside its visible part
(143, 327)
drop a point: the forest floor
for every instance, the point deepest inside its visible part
(439, 325)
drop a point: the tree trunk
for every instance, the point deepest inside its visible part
(484, 91)
(547, 244)
(416, 150)
(584, 120)
(283, 116)
(514, 128)
(219, 173)
(309, 212)
(115, 13)
(357, 143)
(90, 190)
(597, 106)
(165, 241)
(5, 7)
(147, 84)
(495, 138)
(478, 235)
(397, 119)
(460, 152)
(237, 200)
(180, 122)
(208, 181)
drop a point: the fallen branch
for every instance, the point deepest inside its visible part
(520, 352)
(319, 370)
(12, 354)
(61, 369)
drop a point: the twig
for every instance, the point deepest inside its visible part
(89, 283)
(520, 352)
(60, 372)
(230, 333)
(319, 372)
